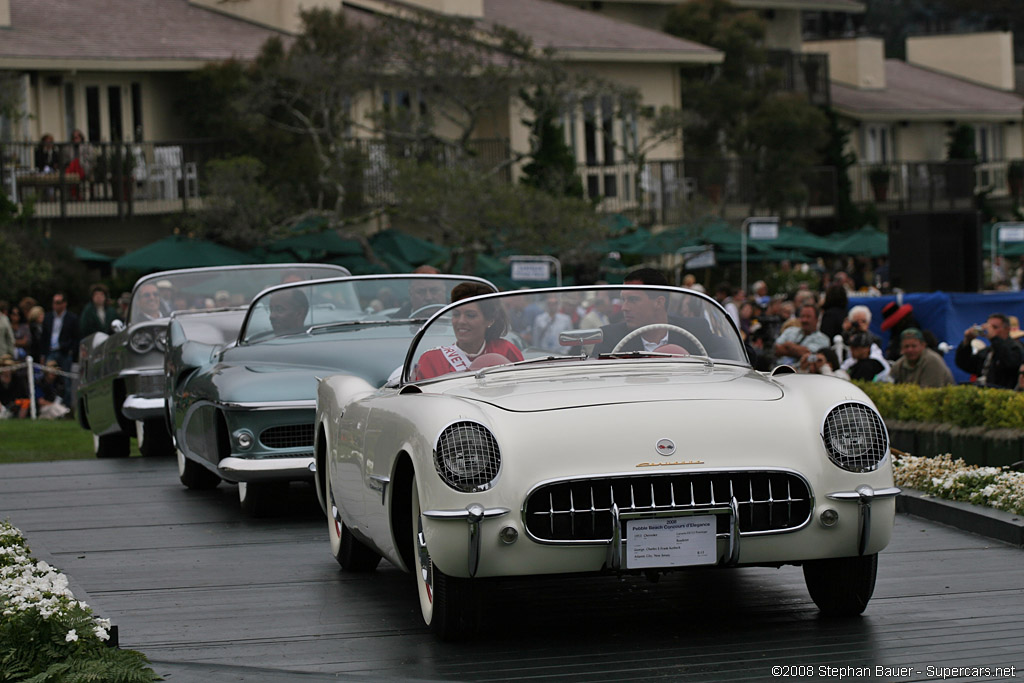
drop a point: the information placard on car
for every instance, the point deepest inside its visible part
(670, 542)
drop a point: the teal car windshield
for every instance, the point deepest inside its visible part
(351, 304)
(161, 294)
(583, 322)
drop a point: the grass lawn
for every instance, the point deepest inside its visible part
(43, 440)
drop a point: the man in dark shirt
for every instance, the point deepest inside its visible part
(998, 364)
(643, 307)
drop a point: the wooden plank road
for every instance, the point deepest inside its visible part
(210, 595)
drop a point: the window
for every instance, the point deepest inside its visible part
(92, 114)
(878, 147)
(988, 142)
(137, 112)
(69, 110)
(114, 112)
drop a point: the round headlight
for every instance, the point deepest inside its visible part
(855, 437)
(141, 341)
(467, 457)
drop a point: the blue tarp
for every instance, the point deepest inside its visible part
(947, 315)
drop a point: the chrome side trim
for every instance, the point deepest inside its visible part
(382, 485)
(464, 514)
(267, 405)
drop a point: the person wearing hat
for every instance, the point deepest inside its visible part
(866, 361)
(919, 365)
(996, 365)
(896, 318)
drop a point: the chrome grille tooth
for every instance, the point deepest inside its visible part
(711, 483)
(750, 487)
(771, 503)
(551, 508)
(693, 497)
(572, 513)
(632, 497)
(654, 503)
(672, 491)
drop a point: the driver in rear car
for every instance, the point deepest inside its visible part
(640, 308)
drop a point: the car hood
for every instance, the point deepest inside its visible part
(535, 390)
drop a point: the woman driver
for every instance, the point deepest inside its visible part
(478, 328)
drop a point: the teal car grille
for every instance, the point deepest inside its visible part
(288, 436)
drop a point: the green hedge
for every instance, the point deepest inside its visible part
(960, 405)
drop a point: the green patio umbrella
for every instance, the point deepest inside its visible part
(317, 245)
(89, 256)
(867, 241)
(409, 249)
(178, 251)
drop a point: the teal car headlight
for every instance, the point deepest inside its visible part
(467, 457)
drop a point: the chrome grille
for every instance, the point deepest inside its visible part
(855, 437)
(581, 510)
(467, 457)
(288, 436)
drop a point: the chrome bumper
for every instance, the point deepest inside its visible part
(142, 408)
(267, 469)
(864, 495)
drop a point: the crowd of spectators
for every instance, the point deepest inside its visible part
(812, 330)
(50, 338)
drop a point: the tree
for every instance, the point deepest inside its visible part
(836, 154)
(737, 109)
(484, 214)
(552, 167)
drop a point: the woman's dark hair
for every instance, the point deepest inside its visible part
(830, 357)
(492, 309)
(835, 297)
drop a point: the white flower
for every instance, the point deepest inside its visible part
(71, 636)
(101, 633)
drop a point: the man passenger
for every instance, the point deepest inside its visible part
(288, 311)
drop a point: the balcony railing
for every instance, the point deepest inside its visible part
(928, 185)
(107, 179)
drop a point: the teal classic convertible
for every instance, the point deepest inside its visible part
(121, 390)
(242, 407)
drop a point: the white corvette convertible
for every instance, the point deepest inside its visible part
(529, 434)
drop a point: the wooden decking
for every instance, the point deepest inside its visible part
(210, 595)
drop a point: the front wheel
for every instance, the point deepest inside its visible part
(195, 476)
(348, 551)
(153, 438)
(841, 586)
(111, 446)
(449, 604)
(261, 498)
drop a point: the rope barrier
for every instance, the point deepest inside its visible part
(30, 377)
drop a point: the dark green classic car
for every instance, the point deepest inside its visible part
(121, 390)
(242, 405)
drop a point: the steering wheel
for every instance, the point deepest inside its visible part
(659, 326)
(433, 308)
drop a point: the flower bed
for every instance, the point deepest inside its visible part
(942, 476)
(48, 635)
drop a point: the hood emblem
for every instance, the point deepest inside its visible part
(665, 447)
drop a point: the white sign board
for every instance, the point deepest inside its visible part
(534, 271)
(764, 231)
(701, 259)
(670, 542)
(1008, 233)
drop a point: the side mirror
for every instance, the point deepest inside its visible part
(117, 326)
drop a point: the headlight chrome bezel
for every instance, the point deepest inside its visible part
(855, 437)
(142, 340)
(467, 457)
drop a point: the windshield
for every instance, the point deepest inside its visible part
(591, 321)
(352, 303)
(161, 294)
